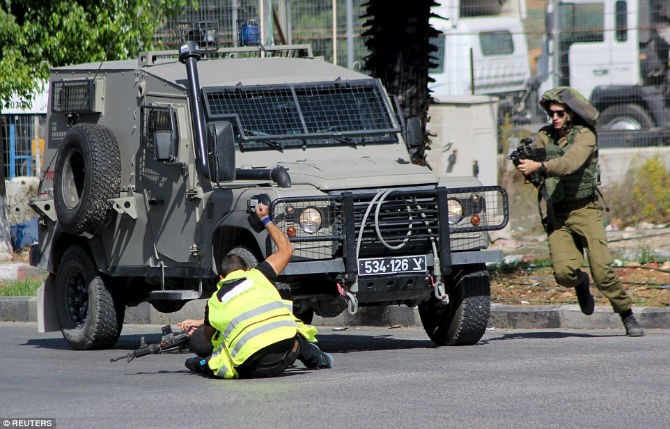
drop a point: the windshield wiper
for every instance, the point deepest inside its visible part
(350, 140)
(279, 145)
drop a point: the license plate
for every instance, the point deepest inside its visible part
(391, 265)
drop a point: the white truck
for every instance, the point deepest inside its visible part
(481, 50)
(616, 54)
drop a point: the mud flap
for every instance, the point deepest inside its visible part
(47, 316)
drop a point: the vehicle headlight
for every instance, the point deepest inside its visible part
(455, 211)
(310, 220)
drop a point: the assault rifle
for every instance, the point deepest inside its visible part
(171, 341)
(527, 151)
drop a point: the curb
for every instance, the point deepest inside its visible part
(24, 309)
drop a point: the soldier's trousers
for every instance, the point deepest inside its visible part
(580, 230)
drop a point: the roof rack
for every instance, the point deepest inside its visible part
(150, 58)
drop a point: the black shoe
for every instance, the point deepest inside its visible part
(633, 328)
(584, 296)
(196, 364)
(326, 361)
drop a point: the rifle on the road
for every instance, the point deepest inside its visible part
(171, 341)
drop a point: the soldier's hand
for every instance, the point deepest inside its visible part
(528, 166)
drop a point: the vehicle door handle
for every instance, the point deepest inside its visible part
(600, 72)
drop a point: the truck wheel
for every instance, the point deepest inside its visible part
(91, 317)
(463, 321)
(625, 117)
(247, 255)
(88, 174)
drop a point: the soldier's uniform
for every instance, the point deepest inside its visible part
(578, 214)
(572, 176)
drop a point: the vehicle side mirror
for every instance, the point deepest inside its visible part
(221, 151)
(414, 133)
(165, 146)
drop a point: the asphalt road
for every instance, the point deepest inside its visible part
(383, 378)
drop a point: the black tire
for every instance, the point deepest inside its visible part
(247, 255)
(91, 317)
(625, 117)
(463, 321)
(88, 174)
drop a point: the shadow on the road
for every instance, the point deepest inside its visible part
(328, 342)
(126, 342)
(48, 343)
(343, 343)
(549, 335)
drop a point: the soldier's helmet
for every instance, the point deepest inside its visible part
(574, 100)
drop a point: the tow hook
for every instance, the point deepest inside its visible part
(349, 298)
(440, 292)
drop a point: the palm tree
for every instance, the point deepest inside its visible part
(398, 39)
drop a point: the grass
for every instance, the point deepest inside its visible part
(26, 287)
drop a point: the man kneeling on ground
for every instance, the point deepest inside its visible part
(248, 331)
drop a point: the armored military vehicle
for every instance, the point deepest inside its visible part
(155, 163)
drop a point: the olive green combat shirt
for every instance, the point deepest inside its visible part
(583, 147)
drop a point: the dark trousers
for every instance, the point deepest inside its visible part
(267, 362)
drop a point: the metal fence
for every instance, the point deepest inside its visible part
(22, 138)
(333, 28)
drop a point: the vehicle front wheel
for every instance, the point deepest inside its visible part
(90, 315)
(464, 319)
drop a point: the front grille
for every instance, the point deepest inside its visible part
(393, 222)
(396, 222)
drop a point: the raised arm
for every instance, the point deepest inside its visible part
(282, 256)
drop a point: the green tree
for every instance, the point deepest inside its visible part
(36, 35)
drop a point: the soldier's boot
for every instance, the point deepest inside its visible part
(584, 297)
(633, 328)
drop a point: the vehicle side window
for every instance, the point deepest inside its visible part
(496, 42)
(583, 22)
(156, 118)
(621, 21)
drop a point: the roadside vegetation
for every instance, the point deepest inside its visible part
(27, 287)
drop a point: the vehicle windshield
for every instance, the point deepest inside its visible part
(314, 114)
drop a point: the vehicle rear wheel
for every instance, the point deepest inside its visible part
(88, 174)
(463, 321)
(90, 315)
(625, 117)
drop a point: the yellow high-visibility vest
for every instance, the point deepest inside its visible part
(249, 315)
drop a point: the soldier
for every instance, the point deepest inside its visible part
(248, 331)
(572, 176)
